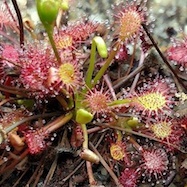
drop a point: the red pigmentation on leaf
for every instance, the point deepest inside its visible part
(129, 177)
(36, 140)
(178, 53)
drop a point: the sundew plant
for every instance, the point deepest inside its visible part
(92, 103)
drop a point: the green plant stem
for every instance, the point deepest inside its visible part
(91, 65)
(85, 135)
(119, 135)
(106, 65)
(99, 44)
(49, 30)
(119, 102)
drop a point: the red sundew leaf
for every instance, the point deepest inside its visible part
(36, 140)
(178, 54)
(129, 177)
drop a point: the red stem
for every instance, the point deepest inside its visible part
(20, 21)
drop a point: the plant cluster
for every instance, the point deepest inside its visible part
(84, 92)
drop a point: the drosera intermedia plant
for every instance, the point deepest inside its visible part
(168, 130)
(66, 73)
(63, 95)
(153, 98)
(177, 53)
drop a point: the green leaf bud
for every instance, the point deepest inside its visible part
(48, 10)
(83, 116)
(64, 5)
